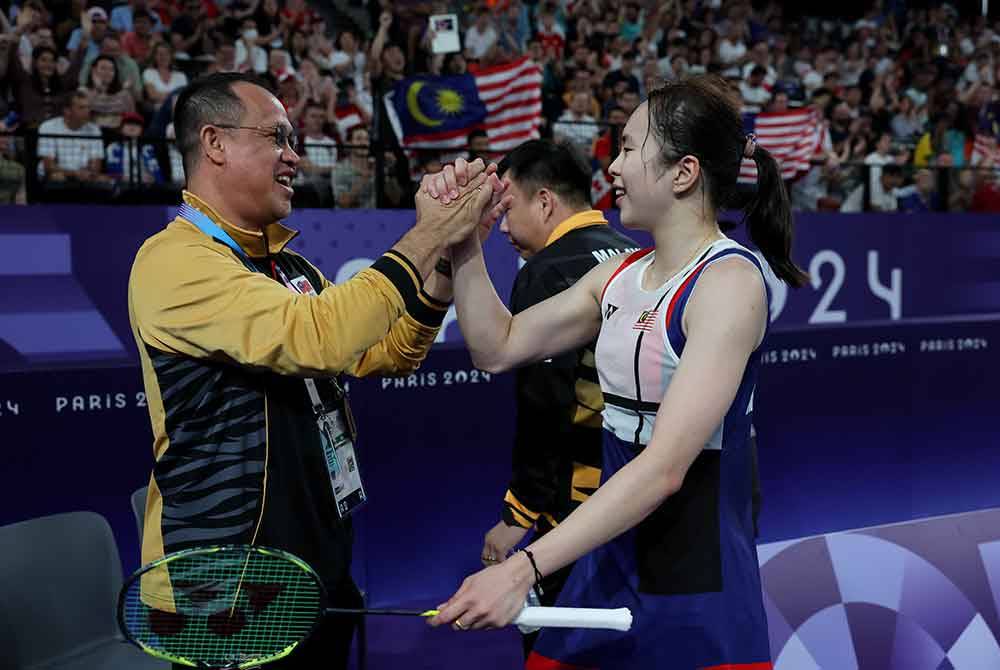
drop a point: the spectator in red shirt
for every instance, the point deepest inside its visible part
(139, 42)
(550, 34)
(987, 195)
(297, 15)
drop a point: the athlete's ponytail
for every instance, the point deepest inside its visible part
(769, 217)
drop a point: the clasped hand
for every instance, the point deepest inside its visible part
(463, 197)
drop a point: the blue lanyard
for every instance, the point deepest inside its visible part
(210, 228)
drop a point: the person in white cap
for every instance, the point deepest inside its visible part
(97, 20)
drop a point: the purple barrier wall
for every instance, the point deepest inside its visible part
(70, 264)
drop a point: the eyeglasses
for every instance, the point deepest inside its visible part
(281, 135)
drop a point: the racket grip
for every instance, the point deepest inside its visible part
(575, 617)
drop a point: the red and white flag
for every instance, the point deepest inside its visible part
(793, 137)
(512, 93)
(600, 190)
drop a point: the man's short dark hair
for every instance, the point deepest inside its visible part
(545, 164)
(208, 100)
(354, 129)
(475, 134)
(78, 94)
(37, 52)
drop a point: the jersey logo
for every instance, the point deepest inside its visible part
(645, 320)
(303, 286)
(609, 312)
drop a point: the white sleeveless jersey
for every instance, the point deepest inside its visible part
(641, 342)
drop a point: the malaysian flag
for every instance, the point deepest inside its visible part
(438, 112)
(793, 137)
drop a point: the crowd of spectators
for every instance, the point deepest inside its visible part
(899, 91)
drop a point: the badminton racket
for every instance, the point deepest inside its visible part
(237, 606)
(531, 617)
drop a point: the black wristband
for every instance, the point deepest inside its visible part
(444, 267)
(534, 566)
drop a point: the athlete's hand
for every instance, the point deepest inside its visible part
(499, 541)
(453, 221)
(448, 184)
(444, 185)
(491, 598)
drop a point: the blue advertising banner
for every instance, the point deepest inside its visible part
(64, 271)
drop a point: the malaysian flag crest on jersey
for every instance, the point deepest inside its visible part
(645, 321)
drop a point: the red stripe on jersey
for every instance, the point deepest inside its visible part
(538, 662)
(741, 666)
(670, 313)
(632, 258)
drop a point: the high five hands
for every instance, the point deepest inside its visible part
(455, 183)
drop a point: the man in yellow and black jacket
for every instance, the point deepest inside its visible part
(229, 323)
(557, 442)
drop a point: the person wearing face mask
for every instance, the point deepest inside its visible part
(250, 57)
(680, 328)
(557, 442)
(242, 343)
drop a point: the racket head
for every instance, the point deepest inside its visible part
(228, 606)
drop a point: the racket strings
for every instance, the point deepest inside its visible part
(223, 607)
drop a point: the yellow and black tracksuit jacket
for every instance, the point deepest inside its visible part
(224, 351)
(557, 443)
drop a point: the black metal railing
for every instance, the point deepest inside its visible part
(109, 168)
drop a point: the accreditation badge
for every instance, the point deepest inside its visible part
(341, 462)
